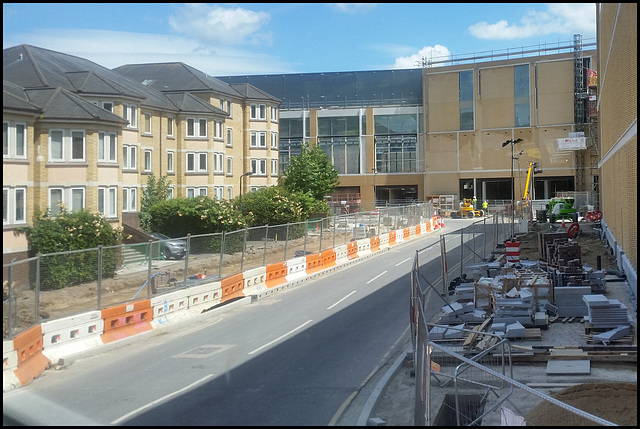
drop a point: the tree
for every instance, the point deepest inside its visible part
(156, 191)
(311, 172)
(276, 205)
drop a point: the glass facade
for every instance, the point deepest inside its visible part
(521, 96)
(466, 100)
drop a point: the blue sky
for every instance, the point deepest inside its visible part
(223, 39)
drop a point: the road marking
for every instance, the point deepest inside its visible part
(281, 337)
(158, 401)
(402, 262)
(329, 308)
(379, 275)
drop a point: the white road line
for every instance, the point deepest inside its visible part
(402, 262)
(158, 401)
(281, 337)
(379, 275)
(329, 308)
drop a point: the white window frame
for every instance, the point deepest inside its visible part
(218, 192)
(218, 163)
(258, 139)
(197, 191)
(229, 166)
(129, 199)
(258, 112)
(14, 208)
(129, 157)
(171, 192)
(229, 137)
(197, 125)
(218, 130)
(274, 140)
(259, 166)
(170, 126)
(274, 167)
(72, 144)
(148, 156)
(67, 198)
(107, 146)
(229, 193)
(131, 115)
(12, 146)
(171, 156)
(108, 106)
(148, 121)
(108, 201)
(68, 145)
(196, 158)
(274, 114)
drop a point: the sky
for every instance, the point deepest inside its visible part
(237, 39)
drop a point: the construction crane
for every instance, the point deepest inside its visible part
(527, 197)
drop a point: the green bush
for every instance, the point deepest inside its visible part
(69, 231)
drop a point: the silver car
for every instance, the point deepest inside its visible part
(173, 247)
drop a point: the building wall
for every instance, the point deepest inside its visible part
(617, 120)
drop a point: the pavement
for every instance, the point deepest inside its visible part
(391, 398)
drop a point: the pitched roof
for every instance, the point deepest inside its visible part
(14, 98)
(249, 91)
(188, 103)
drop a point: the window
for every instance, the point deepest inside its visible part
(61, 144)
(193, 192)
(217, 162)
(274, 140)
(225, 105)
(229, 137)
(396, 154)
(521, 95)
(170, 159)
(259, 167)
(196, 127)
(147, 123)
(218, 192)
(107, 105)
(129, 199)
(274, 114)
(466, 100)
(72, 198)
(229, 166)
(107, 147)
(147, 160)
(217, 133)
(170, 192)
(14, 140)
(196, 162)
(258, 139)
(258, 111)
(107, 201)
(170, 127)
(274, 167)
(131, 115)
(229, 193)
(14, 205)
(128, 157)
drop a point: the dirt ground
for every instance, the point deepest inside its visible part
(615, 402)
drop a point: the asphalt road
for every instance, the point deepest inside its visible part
(306, 356)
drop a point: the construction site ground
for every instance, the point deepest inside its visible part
(609, 391)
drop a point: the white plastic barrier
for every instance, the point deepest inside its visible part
(412, 232)
(341, 254)
(384, 240)
(364, 247)
(9, 356)
(73, 334)
(296, 268)
(399, 236)
(204, 296)
(170, 307)
(255, 280)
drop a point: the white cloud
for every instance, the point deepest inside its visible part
(115, 48)
(215, 24)
(559, 18)
(353, 8)
(426, 54)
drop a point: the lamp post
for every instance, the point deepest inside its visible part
(512, 143)
(248, 173)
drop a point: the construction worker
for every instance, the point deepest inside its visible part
(485, 206)
(474, 201)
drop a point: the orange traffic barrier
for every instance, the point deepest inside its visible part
(122, 321)
(276, 274)
(418, 230)
(328, 258)
(428, 226)
(375, 244)
(314, 263)
(232, 287)
(31, 361)
(352, 250)
(392, 238)
(406, 234)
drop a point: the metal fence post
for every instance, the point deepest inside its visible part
(443, 255)
(221, 254)
(37, 292)
(99, 272)
(186, 260)
(264, 254)
(244, 245)
(149, 263)
(286, 242)
(461, 250)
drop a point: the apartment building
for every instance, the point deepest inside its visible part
(79, 134)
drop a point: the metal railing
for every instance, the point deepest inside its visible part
(50, 286)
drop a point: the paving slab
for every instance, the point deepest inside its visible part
(569, 367)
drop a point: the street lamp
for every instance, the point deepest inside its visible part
(512, 143)
(248, 173)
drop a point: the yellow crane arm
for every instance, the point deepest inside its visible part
(526, 186)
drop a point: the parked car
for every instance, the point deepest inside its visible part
(173, 247)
